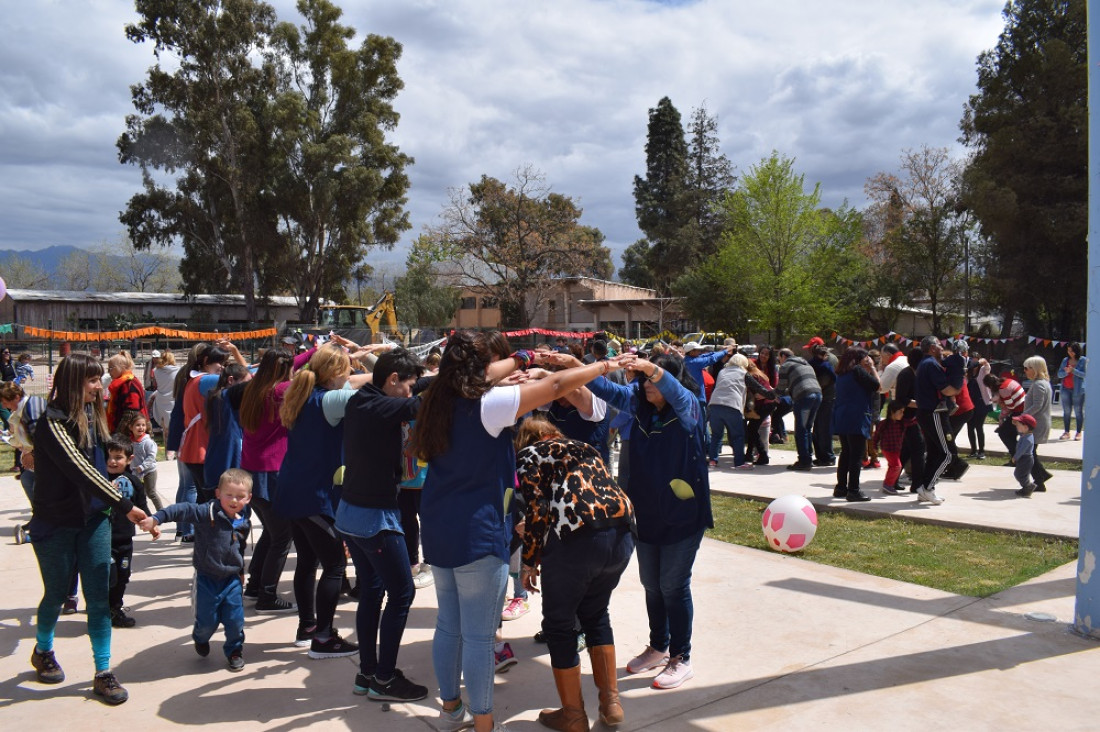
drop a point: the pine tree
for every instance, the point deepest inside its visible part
(1027, 182)
(662, 200)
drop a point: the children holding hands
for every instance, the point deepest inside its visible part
(220, 534)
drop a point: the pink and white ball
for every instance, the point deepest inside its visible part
(789, 524)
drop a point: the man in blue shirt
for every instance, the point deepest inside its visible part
(931, 385)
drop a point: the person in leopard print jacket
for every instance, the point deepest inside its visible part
(579, 526)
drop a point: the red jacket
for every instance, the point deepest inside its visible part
(126, 395)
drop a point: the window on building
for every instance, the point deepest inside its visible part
(469, 303)
(489, 303)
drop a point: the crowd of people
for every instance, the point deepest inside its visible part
(497, 462)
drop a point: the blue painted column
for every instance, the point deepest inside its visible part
(1086, 619)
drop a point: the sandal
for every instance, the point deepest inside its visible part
(1078, 437)
(1065, 436)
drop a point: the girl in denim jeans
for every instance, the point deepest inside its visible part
(463, 432)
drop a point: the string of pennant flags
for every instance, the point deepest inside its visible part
(893, 337)
(146, 332)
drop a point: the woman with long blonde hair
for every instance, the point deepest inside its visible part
(313, 413)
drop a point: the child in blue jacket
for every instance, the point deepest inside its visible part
(220, 533)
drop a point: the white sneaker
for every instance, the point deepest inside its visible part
(927, 496)
(647, 660)
(676, 673)
(423, 577)
(459, 719)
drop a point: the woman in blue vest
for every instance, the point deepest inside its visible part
(463, 432)
(670, 490)
(313, 413)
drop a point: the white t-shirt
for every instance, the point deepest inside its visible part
(498, 408)
(599, 410)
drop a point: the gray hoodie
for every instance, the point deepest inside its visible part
(219, 541)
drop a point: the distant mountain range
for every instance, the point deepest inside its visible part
(48, 258)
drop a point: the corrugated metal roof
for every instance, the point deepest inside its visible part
(140, 297)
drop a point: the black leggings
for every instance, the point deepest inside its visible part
(849, 464)
(975, 427)
(318, 545)
(269, 555)
(408, 500)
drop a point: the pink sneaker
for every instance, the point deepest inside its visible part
(647, 660)
(676, 673)
(505, 660)
(517, 607)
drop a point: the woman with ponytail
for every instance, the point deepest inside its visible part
(312, 413)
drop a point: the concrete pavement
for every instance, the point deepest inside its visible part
(780, 643)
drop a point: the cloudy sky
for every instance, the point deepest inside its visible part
(842, 86)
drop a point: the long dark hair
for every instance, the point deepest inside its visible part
(771, 368)
(850, 359)
(233, 373)
(67, 396)
(184, 374)
(461, 376)
(674, 367)
(275, 366)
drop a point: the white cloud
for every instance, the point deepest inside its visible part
(843, 86)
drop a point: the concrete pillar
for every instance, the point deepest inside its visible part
(1086, 619)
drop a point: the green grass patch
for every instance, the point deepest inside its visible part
(960, 561)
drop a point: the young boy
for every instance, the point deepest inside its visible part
(1025, 453)
(220, 534)
(119, 453)
(24, 371)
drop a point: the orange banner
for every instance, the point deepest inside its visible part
(148, 332)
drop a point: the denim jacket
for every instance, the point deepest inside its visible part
(1078, 372)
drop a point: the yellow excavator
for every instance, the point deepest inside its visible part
(358, 323)
(384, 311)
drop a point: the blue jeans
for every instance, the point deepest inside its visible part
(730, 420)
(805, 412)
(62, 551)
(469, 598)
(1073, 400)
(185, 493)
(579, 574)
(26, 480)
(219, 601)
(665, 572)
(382, 568)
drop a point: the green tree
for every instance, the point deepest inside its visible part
(710, 178)
(661, 199)
(634, 270)
(1027, 179)
(424, 297)
(339, 188)
(276, 137)
(510, 241)
(203, 117)
(781, 250)
(930, 239)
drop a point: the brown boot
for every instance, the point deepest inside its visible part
(605, 673)
(571, 716)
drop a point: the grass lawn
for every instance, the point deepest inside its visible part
(960, 561)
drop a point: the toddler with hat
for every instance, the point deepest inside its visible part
(1025, 454)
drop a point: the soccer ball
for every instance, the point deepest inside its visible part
(789, 524)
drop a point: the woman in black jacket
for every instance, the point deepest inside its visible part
(69, 522)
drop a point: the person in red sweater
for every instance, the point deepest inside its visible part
(1010, 395)
(126, 394)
